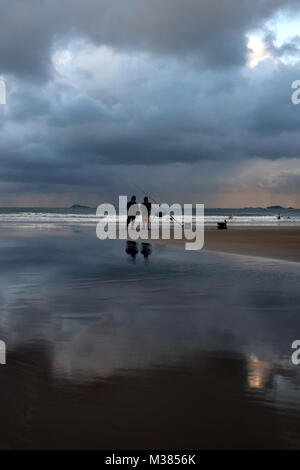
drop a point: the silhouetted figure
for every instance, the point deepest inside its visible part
(146, 250)
(146, 219)
(132, 249)
(130, 218)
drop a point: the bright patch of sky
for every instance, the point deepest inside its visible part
(61, 58)
(258, 51)
(285, 27)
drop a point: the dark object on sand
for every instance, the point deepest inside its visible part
(222, 225)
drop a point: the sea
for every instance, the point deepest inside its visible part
(85, 215)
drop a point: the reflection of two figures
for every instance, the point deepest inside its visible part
(132, 249)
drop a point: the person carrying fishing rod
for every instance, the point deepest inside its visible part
(160, 214)
(130, 218)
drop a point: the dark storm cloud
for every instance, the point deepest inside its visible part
(27, 103)
(270, 111)
(168, 99)
(239, 117)
(210, 29)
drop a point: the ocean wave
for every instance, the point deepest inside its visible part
(92, 219)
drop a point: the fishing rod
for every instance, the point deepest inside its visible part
(152, 198)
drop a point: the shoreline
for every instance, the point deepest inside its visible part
(282, 243)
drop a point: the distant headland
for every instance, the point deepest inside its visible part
(79, 206)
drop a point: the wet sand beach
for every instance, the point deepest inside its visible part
(159, 348)
(270, 242)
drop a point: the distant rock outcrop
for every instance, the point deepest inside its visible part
(79, 206)
(275, 207)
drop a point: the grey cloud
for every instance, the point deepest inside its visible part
(193, 121)
(180, 114)
(290, 47)
(212, 30)
(28, 104)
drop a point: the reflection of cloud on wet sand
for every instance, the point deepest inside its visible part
(200, 403)
(258, 372)
(101, 314)
(95, 343)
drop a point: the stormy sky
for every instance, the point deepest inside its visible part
(190, 99)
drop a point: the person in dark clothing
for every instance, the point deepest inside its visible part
(130, 218)
(146, 219)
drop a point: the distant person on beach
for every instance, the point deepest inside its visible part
(146, 219)
(130, 218)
